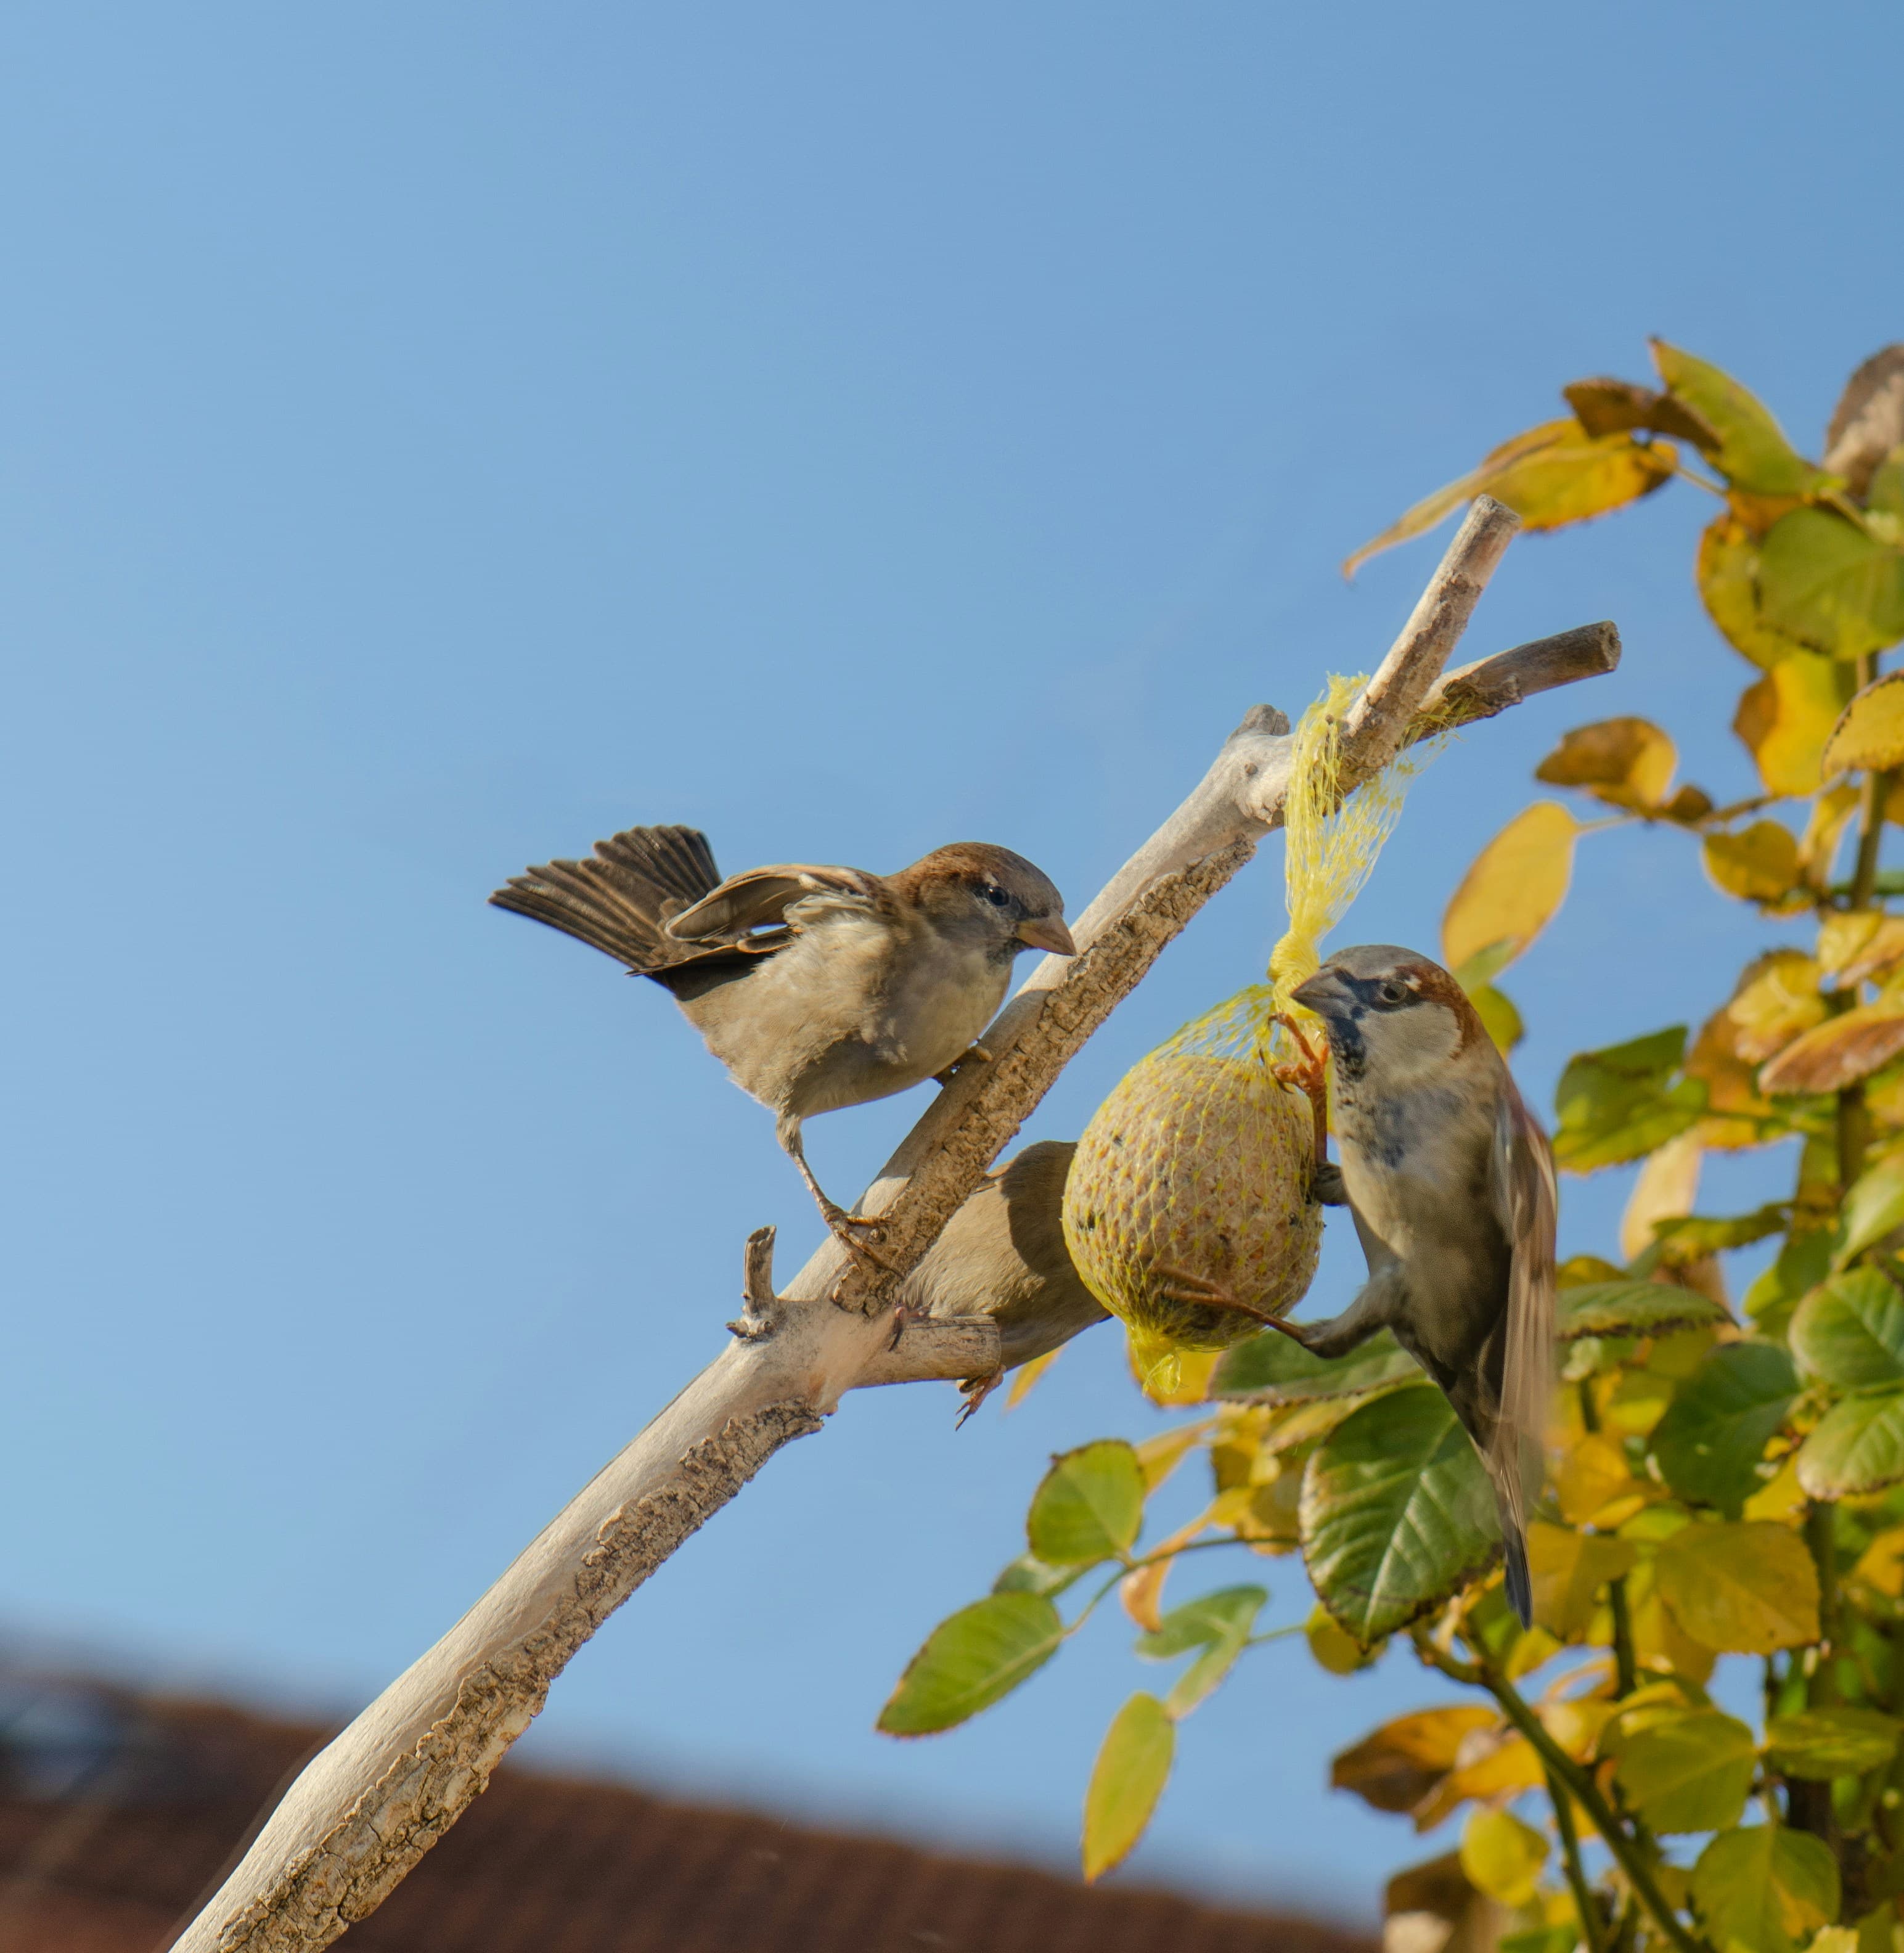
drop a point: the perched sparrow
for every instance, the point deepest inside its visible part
(1002, 1255)
(816, 987)
(1452, 1186)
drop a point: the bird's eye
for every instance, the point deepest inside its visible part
(994, 893)
(1392, 992)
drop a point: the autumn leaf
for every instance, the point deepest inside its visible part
(1552, 475)
(1516, 883)
(1743, 1588)
(1785, 719)
(1869, 736)
(1628, 763)
(1759, 864)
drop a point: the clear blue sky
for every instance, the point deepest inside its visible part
(436, 436)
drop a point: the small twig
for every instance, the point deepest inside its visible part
(1586, 1900)
(761, 1317)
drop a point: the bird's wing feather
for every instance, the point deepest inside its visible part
(1527, 1203)
(761, 897)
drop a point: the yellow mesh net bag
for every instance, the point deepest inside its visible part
(1193, 1178)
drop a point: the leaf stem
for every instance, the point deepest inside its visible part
(1625, 1667)
(1585, 1792)
(1585, 1902)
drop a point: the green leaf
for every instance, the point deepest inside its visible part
(1740, 1589)
(1713, 1436)
(1227, 1612)
(1753, 453)
(1220, 1623)
(1728, 580)
(1396, 1512)
(1274, 1368)
(1824, 578)
(970, 1661)
(1690, 1237)
(1128, 1778)
(1851, 1331)
(1819, 1743)
(1857, 1448)
(1089, 1507)
(1616, 1105)
(1501, 1856)
(1691, 1773)
(1765, 1889)
(1028, 1574)
(1629, 1309)
(1873, 1207)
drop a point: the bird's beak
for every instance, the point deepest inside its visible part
(1048, 932)
(1324, 993)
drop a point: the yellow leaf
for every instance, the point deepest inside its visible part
(1758, 864)
(1734, 1102)
(1593, 1472)
(1569, 1569)
(1785, 719)
(1881, 1565)
(1126, 1781)
(1628, 763)
(1860, 944)
(1338, 1652)
(1502, 1856)
(1518, 881)
(1782, 1499)
(1141, 1593)
(1824, 827)
(1503, 1768)
(1025, 1377)
(1661, 1645)
(1777, 999)
(1728, 578)
(1576, 1725)
(1157, 1457)
(1396, 1766)
(1574, 476)
(1743, 1588)
(1839, 1051)
(1666, 1188)
(1870, 736)
(1551, 475)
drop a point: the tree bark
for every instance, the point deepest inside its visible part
(372, 1803)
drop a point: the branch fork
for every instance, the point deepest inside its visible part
(370, 1804)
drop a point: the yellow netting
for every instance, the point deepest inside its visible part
(1192, 1178)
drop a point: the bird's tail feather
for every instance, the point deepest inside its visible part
(619, 901)
(1521, 1588)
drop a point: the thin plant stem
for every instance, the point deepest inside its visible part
(1619, 1840)
(1593, 1924)
(1626, 1667)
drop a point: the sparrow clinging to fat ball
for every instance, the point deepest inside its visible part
(1451, 1183)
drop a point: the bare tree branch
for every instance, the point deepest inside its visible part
(369, 1806)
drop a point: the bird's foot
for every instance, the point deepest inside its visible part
(1179, 1285)
(1309, 1074)
(856, 1233)
(973, 1054)
(976, 1390)
(902, 1315)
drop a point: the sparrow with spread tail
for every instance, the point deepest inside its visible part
(1450, 1183)
(817, 987)
(1002, 1255)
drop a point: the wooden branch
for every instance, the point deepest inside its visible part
(368, 1807)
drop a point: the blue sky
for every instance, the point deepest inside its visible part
(436, 437)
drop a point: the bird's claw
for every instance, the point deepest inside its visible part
(973, 1054)
(1179, 1285)
(1309, 1074)
(976, 1390)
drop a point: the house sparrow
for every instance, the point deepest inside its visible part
(1002, 1255)
(1450, 1183)
(817, 987)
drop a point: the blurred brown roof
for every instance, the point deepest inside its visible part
(118, 1815)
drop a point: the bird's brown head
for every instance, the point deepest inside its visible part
(1392, 1016)
(974, 890)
